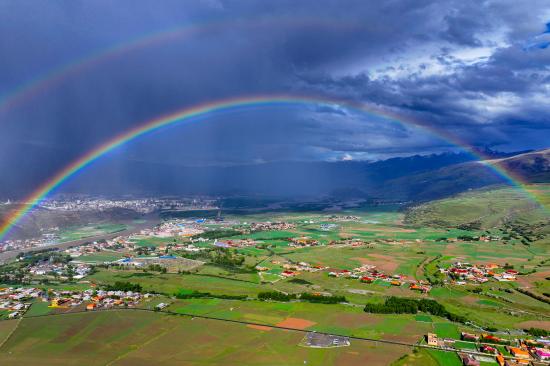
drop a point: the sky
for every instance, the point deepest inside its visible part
(475, 70)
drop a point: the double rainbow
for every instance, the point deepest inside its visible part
(226, 105)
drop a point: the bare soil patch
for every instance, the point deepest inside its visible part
(259, 327)
(382, 262)
(543, 324)
(296, 323)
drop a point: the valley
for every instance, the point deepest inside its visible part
(479, 258)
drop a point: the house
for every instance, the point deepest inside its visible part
(469, 337)
(488, 349)
(500, 360)
(468, 360)
(367, 279)
(288, 273)
(432, 339)
(91, 306)
(161, 306)
(542, 354)
(519, 353)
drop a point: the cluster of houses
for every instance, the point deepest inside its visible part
(17, 300)
(175, 228)
(303, 241)
(482, 238)
(354, 242)
(120, 243)
(271, 226)
(367, 273)
(342, 218)
(62, 270)
(94, 299)
(518, 352)
(327, 227)
(236, 243)
(462, 273)
(292, 269)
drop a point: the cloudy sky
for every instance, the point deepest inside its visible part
(75, 73)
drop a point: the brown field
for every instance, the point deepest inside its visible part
(382, 262)
(296, 323)
(542, 324)
(529, 280)
(259, 327)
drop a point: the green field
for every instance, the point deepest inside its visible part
(83, 232)
(132, 338)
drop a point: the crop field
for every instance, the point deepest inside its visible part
(132, 338)
(90, 230)
(338, 319)
(100, 257)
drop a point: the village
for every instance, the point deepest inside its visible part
(462, 273)
(473, 349)
(17, 300)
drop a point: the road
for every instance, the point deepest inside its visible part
(132, 229)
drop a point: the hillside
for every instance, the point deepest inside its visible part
(488, 209)
(446, 181)
(42, 219)
(532, 166)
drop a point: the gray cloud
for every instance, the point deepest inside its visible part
(458, 66)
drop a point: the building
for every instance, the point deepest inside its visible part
(542, 354)
(519, 353)
(432, 339)
(468, 360)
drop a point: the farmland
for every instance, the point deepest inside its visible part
(410, 254)
(130, 338)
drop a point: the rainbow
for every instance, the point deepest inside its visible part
(194, 113)
(37, 86)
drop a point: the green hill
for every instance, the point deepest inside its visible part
(507, 208)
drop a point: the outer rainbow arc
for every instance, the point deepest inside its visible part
(57, 75)
(223, 105)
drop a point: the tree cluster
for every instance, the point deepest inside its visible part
(397, 305)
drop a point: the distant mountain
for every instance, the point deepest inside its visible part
(41, 218)
(284, 179)
(413, 178)
(532, 166)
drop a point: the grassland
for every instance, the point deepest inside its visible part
(82, 232)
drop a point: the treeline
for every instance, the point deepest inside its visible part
(276, 295)
(533, 295)
(124, 286)
(396, 305)
(197, 294)
(323, 299)
(537, 332)
(315, 298)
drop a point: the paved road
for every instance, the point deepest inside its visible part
(132, 229)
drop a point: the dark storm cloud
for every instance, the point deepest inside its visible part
(459, 66)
